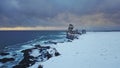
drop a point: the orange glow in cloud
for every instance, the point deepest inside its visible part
(32, 28)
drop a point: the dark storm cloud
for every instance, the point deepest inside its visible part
(32, 13)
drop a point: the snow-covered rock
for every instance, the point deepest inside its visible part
(34, 56)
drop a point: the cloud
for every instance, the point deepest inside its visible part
(54, 13)
(85, 21)
(31, 28)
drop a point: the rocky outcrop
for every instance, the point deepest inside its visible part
(4, 60)
(4, 54)
(36, 54)
(71, 33)
(83, 31)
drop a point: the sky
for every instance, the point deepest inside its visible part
(57, 14)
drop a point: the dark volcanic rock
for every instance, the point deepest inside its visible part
(4, 60)
(37, 46)
(40, 66)
(50, 42)
(14, 54)
(73, 34)
(4, 54)
(57, 54)
(43, 55)
(26, 62)
(83, 31)
(69, 40)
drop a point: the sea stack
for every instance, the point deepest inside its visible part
(71, 33)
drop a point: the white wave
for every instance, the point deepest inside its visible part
(1, 64)
(27, 46)
(35, 53)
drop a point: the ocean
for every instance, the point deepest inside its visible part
(13, 40)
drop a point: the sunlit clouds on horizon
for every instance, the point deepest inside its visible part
(57, 14)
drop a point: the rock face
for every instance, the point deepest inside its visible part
(83, 31)
(36, 54)
(4, 60)
(72, 34)
(4, 54)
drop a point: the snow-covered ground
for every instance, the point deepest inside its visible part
(91, 50)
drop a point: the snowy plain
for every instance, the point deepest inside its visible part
(91, 50)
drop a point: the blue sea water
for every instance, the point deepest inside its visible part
(15, 39)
